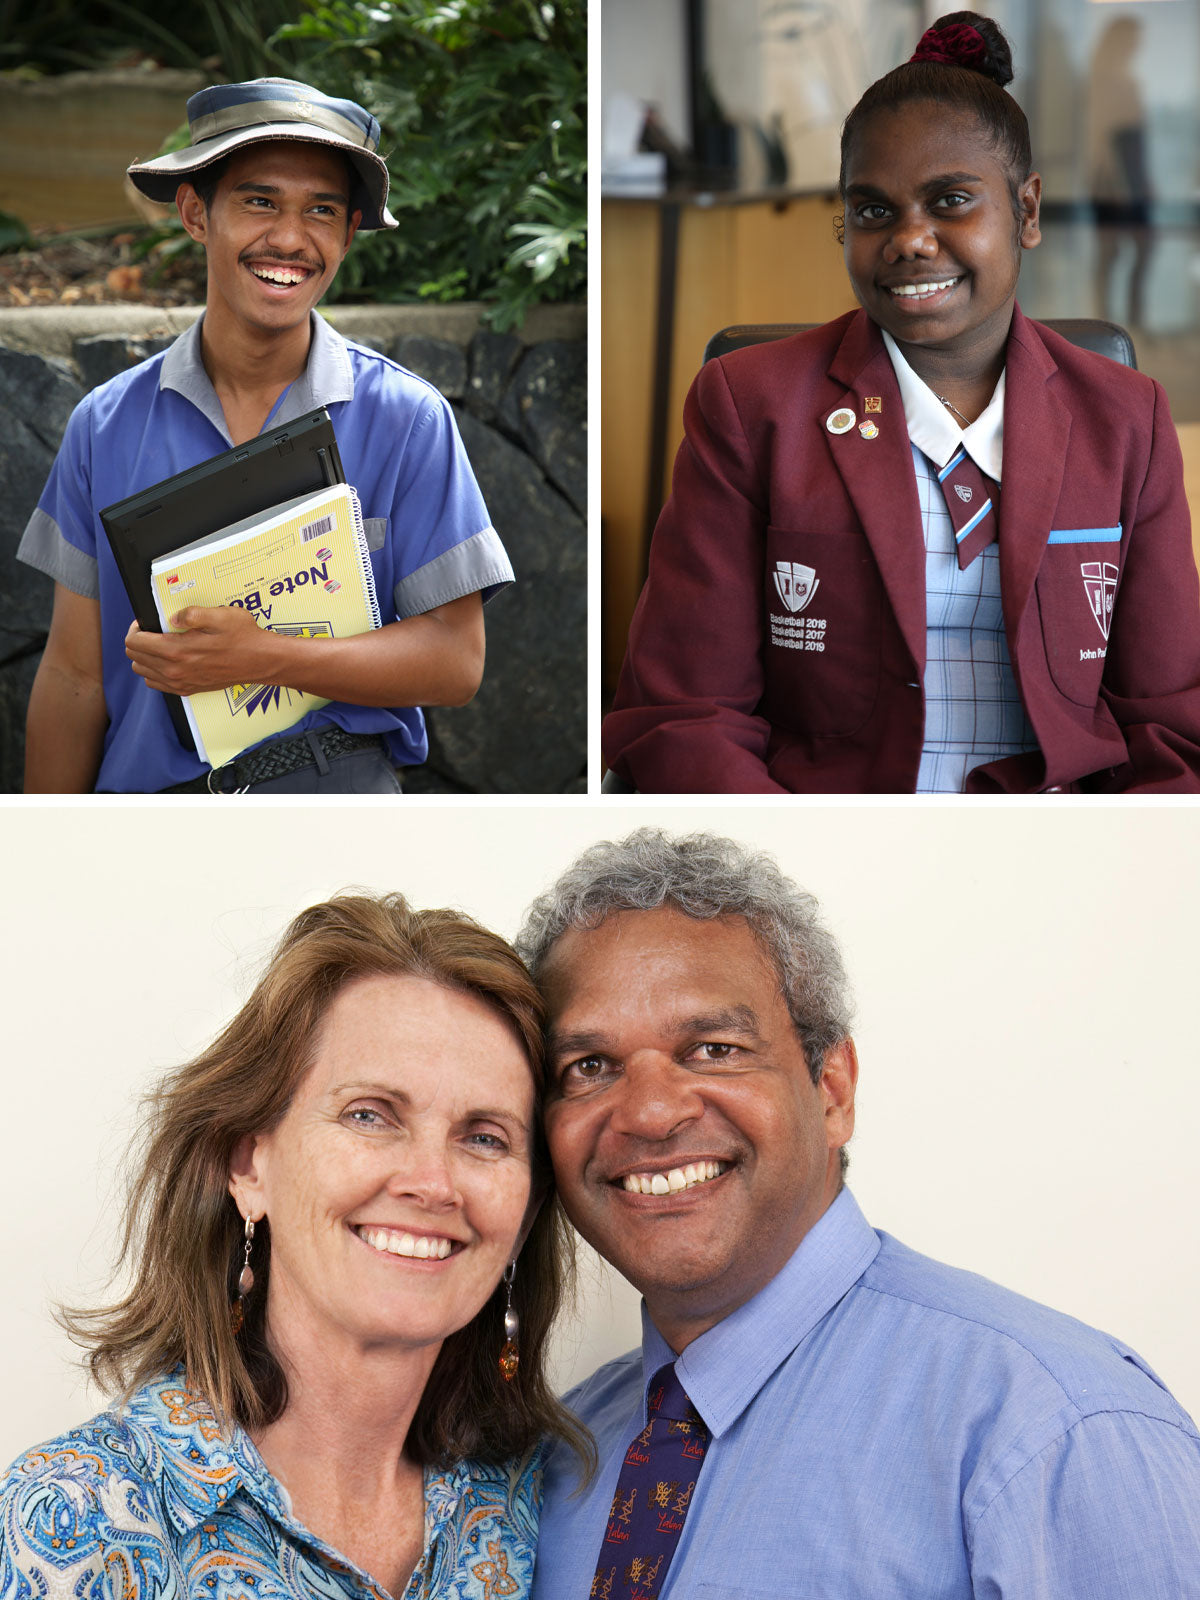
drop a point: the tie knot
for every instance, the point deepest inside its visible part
(667, 1397)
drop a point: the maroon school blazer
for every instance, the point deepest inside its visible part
(735, 682)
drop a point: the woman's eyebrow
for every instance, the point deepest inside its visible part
(401, 1097)
(943, 180)
(505, 1114)
(365, 1086)
(946, 179)
(867, 191)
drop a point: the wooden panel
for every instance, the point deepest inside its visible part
(1189, 442)
(761, 262)
(628, 286)
(707, 289)
(768, 262)
(789, 264)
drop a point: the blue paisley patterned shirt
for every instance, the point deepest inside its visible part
(156, 1504)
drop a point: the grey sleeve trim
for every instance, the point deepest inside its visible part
(479, 563)
(43, 546)
(375, 529)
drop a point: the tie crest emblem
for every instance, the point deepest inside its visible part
(962, 492)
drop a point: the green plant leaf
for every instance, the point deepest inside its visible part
(13, 232)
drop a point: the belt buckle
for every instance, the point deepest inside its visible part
(231, 768)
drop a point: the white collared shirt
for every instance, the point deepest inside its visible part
(933, 429)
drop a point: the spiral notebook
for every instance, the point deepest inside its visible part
(303, 569)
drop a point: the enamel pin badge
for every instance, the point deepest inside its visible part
(868, 430)
(873, 405)
(840, 421)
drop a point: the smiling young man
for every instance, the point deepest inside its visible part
(815, 1410)
(931, 546)
(275, 184)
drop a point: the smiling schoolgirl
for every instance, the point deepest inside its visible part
(930, 545)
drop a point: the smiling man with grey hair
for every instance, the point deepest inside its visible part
(815, 1410)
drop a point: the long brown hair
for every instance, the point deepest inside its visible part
(182, 1231)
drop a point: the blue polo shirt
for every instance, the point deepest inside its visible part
(427, 527)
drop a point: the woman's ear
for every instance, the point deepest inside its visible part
(246, 1177)
(1029, 198)
(538, 1197)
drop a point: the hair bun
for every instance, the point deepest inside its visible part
(965, 39)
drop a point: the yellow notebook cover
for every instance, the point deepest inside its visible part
(301, 568)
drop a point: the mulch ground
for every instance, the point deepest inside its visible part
(98, 270)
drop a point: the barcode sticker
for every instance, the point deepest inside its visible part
(317, 530)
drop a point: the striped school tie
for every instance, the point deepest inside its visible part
(973, 502)
(654, 1490)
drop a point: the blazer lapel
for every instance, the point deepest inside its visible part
(878, 473)
(1037, 426)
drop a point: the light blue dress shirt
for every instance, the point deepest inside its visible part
(887, 1428)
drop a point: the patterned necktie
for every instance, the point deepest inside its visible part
(654, 1490)
(974, 505)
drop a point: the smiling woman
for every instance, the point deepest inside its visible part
(346, 1257)
(950, 550)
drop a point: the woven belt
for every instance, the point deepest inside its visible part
(277, 760)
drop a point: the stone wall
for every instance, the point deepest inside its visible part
(521, 406)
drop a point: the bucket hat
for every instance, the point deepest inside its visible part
(229, 116)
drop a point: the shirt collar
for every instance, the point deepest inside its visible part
(726, 1367)
(327, 377)
(933, 429)
(203, 1468)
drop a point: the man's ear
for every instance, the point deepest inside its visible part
(839, 1079)
(247, 1176)
(192, 212)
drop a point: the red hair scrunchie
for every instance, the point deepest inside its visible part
(959, 45)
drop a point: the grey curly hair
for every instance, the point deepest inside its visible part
(705, 876)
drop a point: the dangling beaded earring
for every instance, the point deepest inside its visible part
(245, 1282)
(510, 1356)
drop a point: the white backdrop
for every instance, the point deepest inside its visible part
(1026, 981)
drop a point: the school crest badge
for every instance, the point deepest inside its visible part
(795, 584)
(962, 492)
(1100, 584)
